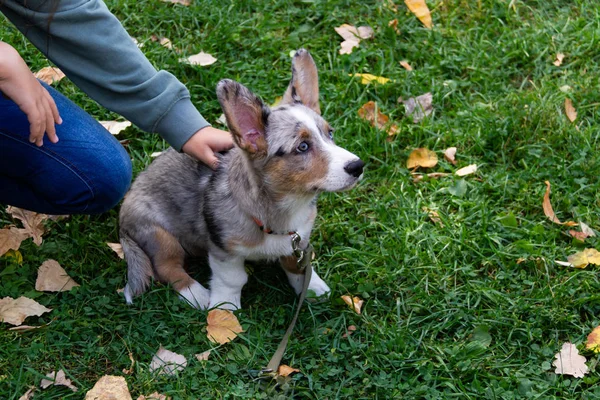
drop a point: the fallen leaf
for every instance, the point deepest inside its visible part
(27, 328)
(33, 222)
(468, 170)
(559, 59)
(365, 79)
(593, 340)
(421, 157)
(137, 42)
(285, 370)
(223, 121)
(419, 107)
(355, 302)
(583, 258)
(222, 326)
(28, 394)
(421, 11)
(11, 238)
(154, 155)
(570, 110)
(15, 255)
(394, 24)
(450, 155)
(154, 396)
(549, 212)
(351, 329)
(202, 59)
(163, 41)
(202, 356)
(109, 387)
(587, 230)
(433, 216)
(563, 263)
(370, 112)
(406, 65)
(167, 362)
(115, 127)
(521, 260)
(129, 371)
(49, 75)
(352, 36)
(182, 2)
(116, 247)
(578, 235)
(14, 311)
(569, 362)
(53, 278)
(57, 379)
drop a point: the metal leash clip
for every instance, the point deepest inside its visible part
(296, 239)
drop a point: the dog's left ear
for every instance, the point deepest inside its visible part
(304, 86)
(246, 117)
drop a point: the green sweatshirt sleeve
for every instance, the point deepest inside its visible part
(93, 49)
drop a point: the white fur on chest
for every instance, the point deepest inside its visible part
(274, 245)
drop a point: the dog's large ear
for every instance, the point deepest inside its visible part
(246, 116)
(304, 86)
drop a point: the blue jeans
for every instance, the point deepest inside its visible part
(86, 172)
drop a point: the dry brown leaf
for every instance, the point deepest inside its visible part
(33, 222)
(222, 326)
(593, 340)
(406, 65)
(11, 238)
(450, 155)
(129, 371)
(14, 311)
(419, 107)
(117, 248)
(569, 362)
(165, 42)
(563, 263)
(53, 278)
(433, 216)
(468, 170)
(115, 127)
(570, 110)
(587, 230)
(421, 157)
(549, 212)
(352, 36)
(57, 379)
(109, 387)
(394, 24)
(559, 59)
(202, 356)
(421, 11)
(154, 396)
(49, 75)
(154, 155)
(27, 328)
(203, 59)
(351, 329)
(370, 113)
(167, 362)
(583, 258)
(182, 2)
(285, 370)
(578, 235)
(355, 302)
(28, 394)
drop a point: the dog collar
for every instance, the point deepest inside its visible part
(269, 230)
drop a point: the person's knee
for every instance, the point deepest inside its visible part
(112, 182)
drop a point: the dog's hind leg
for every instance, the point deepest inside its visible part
(296, 277)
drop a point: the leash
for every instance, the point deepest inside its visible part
(304, 258)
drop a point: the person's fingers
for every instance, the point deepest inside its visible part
(55, 113)
(37, 125)
(50, 128)
(207, 156)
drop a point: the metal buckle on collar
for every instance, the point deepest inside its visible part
(296, 239)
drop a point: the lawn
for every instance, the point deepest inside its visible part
(471, 307)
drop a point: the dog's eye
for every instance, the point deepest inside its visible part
(330, 133)
(302, 147)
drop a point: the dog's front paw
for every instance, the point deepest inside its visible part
(317, 288)
(231, 303)
(197, 295)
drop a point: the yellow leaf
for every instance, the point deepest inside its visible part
(370, 113)
(368, 78)
(49, 75)
(355, 302)
(109, 387)
(585, 257)
(593, 340)
(421, 157)
(222, 326)
(549, 212)
(570, 110)
(421, 11)
(53, 278)
(14, 311)
(285, 370)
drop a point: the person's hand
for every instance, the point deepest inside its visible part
(18, 83)
(206, 142)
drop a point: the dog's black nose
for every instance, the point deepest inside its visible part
(355, 168)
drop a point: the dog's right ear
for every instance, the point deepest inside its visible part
(246, 117)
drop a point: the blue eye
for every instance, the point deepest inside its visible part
(330, 133)
(302, 147)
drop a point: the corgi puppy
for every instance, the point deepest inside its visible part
(260, 198)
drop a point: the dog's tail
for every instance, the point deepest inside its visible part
(139, 268)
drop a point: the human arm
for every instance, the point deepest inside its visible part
(18, 83)
(93, 49)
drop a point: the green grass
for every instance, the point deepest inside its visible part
(432, 293)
